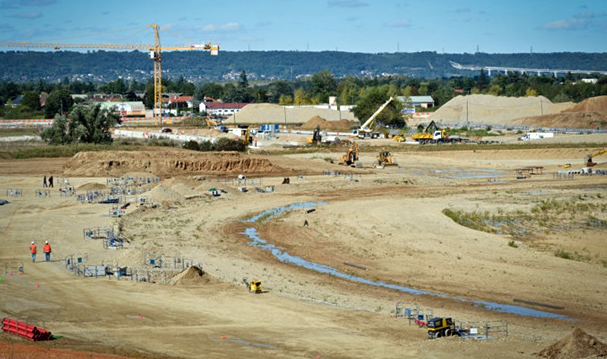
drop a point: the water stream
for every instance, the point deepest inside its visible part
(283, 256)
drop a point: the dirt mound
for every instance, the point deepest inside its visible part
(341, 125)
(589, 113)
(166, 163)
(494, 110)
(578, 344)
(91, 186)
(593, 104)
(165, 196)
(581, 120)
(192, 275)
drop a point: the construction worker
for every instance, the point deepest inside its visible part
(33, 251)
(47, 251)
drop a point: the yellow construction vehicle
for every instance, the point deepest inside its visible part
(383, 159)
(350, 158)
(431, 134)
(254, 286)
(441, 327)
(247, 139)
(588, 158)
(316, 138)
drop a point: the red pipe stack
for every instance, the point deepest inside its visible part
(25, 330)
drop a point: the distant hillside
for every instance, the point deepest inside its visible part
(103, 66)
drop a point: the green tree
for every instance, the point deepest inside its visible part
(58, 132)
(58, 101)
(323, 85)
(31, 100)
(373, 99)
(88, 125)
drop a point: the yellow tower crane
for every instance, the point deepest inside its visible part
(155, 54)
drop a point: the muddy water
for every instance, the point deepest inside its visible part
(283, 256)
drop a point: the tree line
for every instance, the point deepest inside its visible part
(364, 93)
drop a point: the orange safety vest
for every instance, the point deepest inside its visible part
(33, 249)
(47, 248)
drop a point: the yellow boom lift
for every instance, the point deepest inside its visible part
(155, 54)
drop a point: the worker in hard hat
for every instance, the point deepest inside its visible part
(33, 251)
(47, 251)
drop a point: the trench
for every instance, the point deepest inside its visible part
(280, 254)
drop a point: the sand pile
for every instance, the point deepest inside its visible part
(493, 110)
(341, 125)
(165, 196)
(166, 163)
(265, 113)
(578, 344)
(192, 275)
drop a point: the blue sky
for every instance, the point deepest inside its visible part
(371, 26)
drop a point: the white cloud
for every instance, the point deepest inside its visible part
(346, 3)
(567, 24)
(399, 23)
(228, 27)
(28, 15)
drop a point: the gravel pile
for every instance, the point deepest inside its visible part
(494, 110)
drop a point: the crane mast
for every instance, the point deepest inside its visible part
(155, 54)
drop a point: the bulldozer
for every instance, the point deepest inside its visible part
(441, 327)
(350, 158)
(383, 159)
(254, 285)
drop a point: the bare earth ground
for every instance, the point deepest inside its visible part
(388, 221)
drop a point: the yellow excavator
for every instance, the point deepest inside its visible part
(588, 158)
(316, 138)
(350, 158)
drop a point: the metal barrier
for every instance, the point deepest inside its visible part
(13, 267)
(483, 330)
(72, 261)
(43, 193)
(14, 192)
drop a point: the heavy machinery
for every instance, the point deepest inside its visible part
(366, 129)
(431, 134)
(155, 54)
(441, 327)
(588, 158)
(350, 158)
(383, 159)
(247, 139)
(316, 138)
(254, 285)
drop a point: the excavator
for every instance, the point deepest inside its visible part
(588, 158)
(350, 158)
(383, 159)
(247, 139)
(316, 137)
